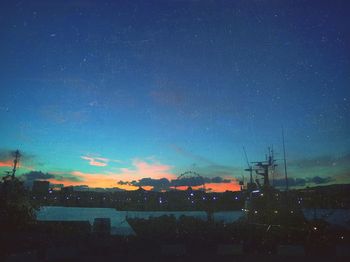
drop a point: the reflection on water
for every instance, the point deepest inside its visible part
(339, 217)
(119, 225)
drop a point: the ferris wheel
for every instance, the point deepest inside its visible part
(190, 178)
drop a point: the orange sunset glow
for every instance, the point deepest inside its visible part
(7, 163)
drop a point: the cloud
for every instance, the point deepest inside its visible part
(94, 161)
(319, 170)
(343, 176)
(31, 176)
(292, 182)
(157, 184)
(59, 115)
(99, 161)
(149, 174)
(302, 182)
(151, 168)
(35, 175)
(218, 180)
(96, 189)
(208, 168)
(81, 188)
(198, 181)
(321, 180)
(187, 154)
(172, 95)
(6, 163)
(140, 169)
(222, 187)
(56, 185)
(322, 161)
(123, 183)
(166, 184)
(68, 177)
(7, 157)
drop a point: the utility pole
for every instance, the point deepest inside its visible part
(15, 162)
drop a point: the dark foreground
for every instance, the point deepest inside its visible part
(118, 250)
(45, 244)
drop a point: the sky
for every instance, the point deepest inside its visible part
(127, 93)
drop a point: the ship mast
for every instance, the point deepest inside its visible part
(250, 169)
(284, 159)
(262, 168)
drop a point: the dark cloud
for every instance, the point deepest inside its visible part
(292, 182)
(165, 184)
(96, 189)
(81, 188)
(123, 183)
(157, 184)
(218, 171)
(56, 185)
(189, 181)
(31, 176)
(198, 181)
(219, 179)
(6, 154)
(322, 161)
(321, 180)
(343, 176)
(67, 177)
(300, 182)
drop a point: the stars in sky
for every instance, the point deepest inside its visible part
(137, 80)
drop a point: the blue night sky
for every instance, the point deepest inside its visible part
(96, 92)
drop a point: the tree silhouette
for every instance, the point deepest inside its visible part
(16, 210)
